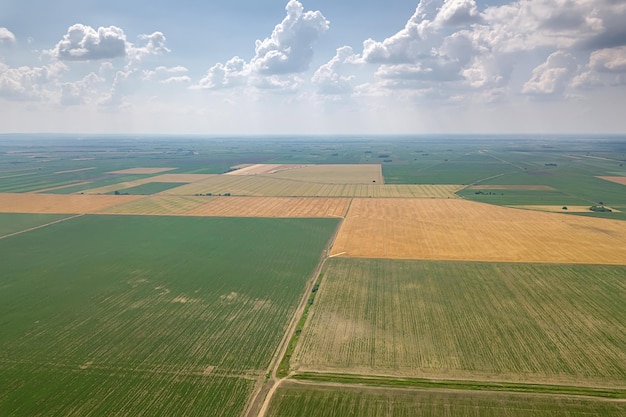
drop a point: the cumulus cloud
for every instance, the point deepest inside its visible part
(553, 76)
(84, 43)
(609, 60)
(328, 77)
(6, 36)
(167, 75)
(278, 59)
(29, 83)
(79, 92)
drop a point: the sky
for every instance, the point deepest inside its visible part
(313, 66)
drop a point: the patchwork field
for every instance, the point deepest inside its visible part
(148, 188)
(265, 186)
(54, 203)
(511, 187)
(334, 174)
(161, 205)
(273, 207)
(464, 230)
(165, 178)
(296, 400)
(535, 323)
(148, 316)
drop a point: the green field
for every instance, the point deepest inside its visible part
(16, 222)
(149, 188)
(552, 324)
(295, 400)
(154, 316)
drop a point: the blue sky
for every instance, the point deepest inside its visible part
(317, 66)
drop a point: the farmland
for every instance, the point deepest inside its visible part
(458, 320)
(265, 186)
(294, 400)
(139, 329)
(335, 276)
(463, 230)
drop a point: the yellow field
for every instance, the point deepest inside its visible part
(465, 230)
(334, 174)
(61, 204)
(273, 207)
(141, 171)
(158, 205)
(256, 169)
(619, 180)
(269, 186)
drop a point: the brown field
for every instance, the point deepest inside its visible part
(559, 209)
(141, 171)
(619, 180)
(464, 230)
(511, 187)
(158, 205)
(335, 174)
(269, 186)
(272, 207)
(59, 203)
(257, 169)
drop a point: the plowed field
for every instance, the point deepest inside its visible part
(464, 230)
(272, 207)
(57, 203)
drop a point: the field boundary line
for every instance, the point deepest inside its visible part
(607, 393)
(381, 387)
(41, 226)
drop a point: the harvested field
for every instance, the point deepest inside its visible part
(257, 169)
(141, 171)
(269, 186)
(272, 207)
(59, 203)
(618, 180)
(532, 323)
(511, 187)
(159, 205)
(335, 174)
(165, 178)
(294, 399)
(465, 230)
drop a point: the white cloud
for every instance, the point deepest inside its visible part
(553, 76)
(328, 77)
(155, 45)
(79, 92)
(231, 74)
(29, 83)
(84, 43)
(6, 36)
(278, 59)
(609, 60)
(290, 47)
(457, 13)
